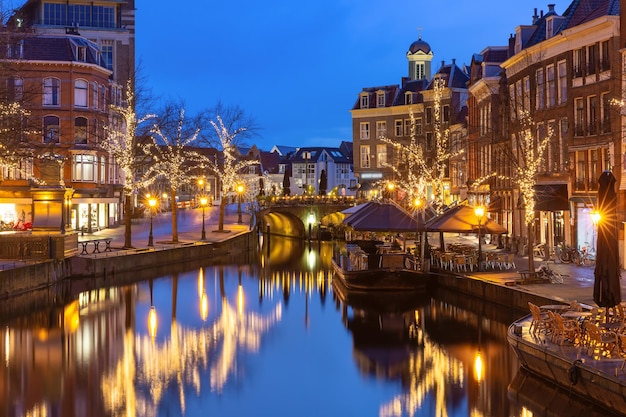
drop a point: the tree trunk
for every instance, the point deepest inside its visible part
(127, 221)
(220, 226)
(174, 218)
(531, 259)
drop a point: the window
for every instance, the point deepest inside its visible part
(419, 131)
(408, 98)
(551, 87)
(579, 116)
(103, 172)
(429, 115)
(50, 129)
(80, 130)
(562, 69)
(446, 113)
(81, 54)
(51, 91)
(380, 100)
(381, 156)
(605, 113)
(365, 156)
(526, 93)
(592, 116)
(107, 54)
(54, 14)
(592, 52)
(512, 106)
(539, 93)
(365, 101)
(398, 127)
(579, 62)
(594, 168)
(78, 15)
(103, 16)
(605, 63)
(420, 70)
(84, 168)
(407, 127)
(103, 98)
(381, 129)
(581, 165)
(365, 130)
(81, 90)
(15, 89)
(95, 96)
(429, 140)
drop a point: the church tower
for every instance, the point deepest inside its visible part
(419, 56)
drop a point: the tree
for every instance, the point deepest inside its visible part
(323, 183)
(173, 161)
(121, 143)
(228, 172)
(286, 183)
(527, 156)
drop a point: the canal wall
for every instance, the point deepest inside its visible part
(509, 296)
(20, 277)
(111, 263)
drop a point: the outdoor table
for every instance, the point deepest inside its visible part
(576, 314)
(554, 307)
(612, 326)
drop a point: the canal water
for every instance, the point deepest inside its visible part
(269, 336)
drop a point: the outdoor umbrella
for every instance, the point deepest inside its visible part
(339, 216)
(384, 217)
(606, 288)
(462, 219)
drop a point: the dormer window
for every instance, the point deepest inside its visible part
(365, 101)
(82, 54)
(408, 98)
(380, 99)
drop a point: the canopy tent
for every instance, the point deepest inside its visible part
(462, 219)
(384, 217)
(339, 216)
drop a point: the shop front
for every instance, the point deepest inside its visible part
(92, 214)
(16, 214)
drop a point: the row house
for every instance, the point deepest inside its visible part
(382, 114)
(564, 71)
(310, 165)
(67, 90)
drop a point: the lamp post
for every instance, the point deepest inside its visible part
(595, 219)
(203, 201)
(239, 192)
(479, 211)
(152, 203)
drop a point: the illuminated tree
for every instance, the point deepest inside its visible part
(527, 154)
(121, 143)
(227, 173)
(173, 161)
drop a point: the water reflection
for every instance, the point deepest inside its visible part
(229, 340)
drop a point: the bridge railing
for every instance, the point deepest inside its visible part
(298, 200)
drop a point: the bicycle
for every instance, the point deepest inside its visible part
(547, 273)
(588, 256)
(568, 254)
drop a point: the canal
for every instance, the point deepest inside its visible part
(269, 336)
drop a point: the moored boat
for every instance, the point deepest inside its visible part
(367, 266)
(596, 378)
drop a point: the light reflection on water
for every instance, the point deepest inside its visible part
(274, 338)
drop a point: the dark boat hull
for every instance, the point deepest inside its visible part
(600, 381)
(383, 280)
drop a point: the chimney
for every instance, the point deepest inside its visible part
(551, 7)
(535, 17)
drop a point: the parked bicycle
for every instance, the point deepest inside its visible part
(588, 255)
(547, 273)
(568, 254)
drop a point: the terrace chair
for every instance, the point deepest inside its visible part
(621, 348)
(509, 260)
(564, 329)
(541, 322)
(459, 263)
(603, 343)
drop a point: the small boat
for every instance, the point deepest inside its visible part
(600, 380)
(367, 266)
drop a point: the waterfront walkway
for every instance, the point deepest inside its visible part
(577, 285)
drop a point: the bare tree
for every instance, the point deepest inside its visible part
(228, 172)
(121, 143)
(173, 160)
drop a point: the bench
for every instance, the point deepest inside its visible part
(96, 245)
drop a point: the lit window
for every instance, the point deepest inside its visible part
(365, 130)
(365, 156)
(51, 91)
(84, 168)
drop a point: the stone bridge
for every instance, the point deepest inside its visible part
(298, 216)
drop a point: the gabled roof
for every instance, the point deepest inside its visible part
(454, 76)
(284, 150)
(335, 154)
(270, 162)
(389, 91)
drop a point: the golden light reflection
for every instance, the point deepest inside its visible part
(204, 306)
(478, 367)
(152, 322)
(71, 318)
(240, 299)
(7, 346)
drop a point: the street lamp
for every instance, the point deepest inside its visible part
(203, 201)
(152, 203)
(595, 219)
(239, 193)
(479, 211)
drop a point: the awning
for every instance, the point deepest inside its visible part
(551, 197)
(586, 200)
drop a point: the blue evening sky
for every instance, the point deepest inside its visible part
(297, 67)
